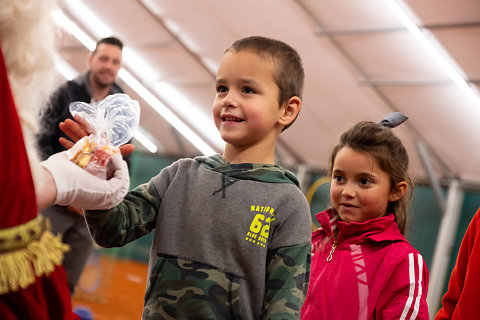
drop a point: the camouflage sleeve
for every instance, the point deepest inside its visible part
(133, 218)
(286, 283)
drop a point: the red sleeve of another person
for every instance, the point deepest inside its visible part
(462, 300)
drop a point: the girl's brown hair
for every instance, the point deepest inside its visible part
(387, 149)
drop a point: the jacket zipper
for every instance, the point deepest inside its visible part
(334, 245)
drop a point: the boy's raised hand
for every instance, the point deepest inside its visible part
(76, 130)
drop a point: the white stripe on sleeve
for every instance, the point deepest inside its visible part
(419, 294)
(411, 273)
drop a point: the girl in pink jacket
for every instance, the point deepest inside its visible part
(362, 265)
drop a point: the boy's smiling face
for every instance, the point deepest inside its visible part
(246, 109)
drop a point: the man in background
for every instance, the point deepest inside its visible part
(91, 87)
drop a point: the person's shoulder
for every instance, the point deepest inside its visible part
(70, 88)
(63, 87)
(390, 241)
(277, 174)
(405, 247)
(177, 168)
(116, 88)
(476, 218)
(292, 192)
(402, 252)
(186, 161)
(76, 82)
(180, 164)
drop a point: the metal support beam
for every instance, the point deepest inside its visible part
(443, 247)
(389, 82)
(437, 190)
(357, 31)
(302, 176)
(365, 79)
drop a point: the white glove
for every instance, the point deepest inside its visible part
(79, 188)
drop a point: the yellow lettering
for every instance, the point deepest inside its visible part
(256, 224)
(265, 231)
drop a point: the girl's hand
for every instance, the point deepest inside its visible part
(76, 130)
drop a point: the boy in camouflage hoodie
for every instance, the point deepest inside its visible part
(232, 232)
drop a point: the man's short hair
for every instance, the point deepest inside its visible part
(109, 40)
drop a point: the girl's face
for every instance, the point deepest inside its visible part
(360, 190)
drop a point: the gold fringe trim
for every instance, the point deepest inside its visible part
(21, 235)
(20, 267)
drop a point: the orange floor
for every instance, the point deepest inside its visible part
(112, 289)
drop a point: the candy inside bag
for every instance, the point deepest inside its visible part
(111, 123)
(93, 153)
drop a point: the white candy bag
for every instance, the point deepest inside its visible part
(111, 123)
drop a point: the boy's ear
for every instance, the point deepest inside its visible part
(290, 111)
(398, 191)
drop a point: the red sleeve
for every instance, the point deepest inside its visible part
(404, 295)
(462, 298)
(17, 201)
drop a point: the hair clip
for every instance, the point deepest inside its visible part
(393, 120)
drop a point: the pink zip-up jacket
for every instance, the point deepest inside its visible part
(369, 272)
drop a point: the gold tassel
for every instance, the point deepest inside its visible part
(20, 267)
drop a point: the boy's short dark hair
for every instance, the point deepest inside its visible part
(109, 40)
(289, 75)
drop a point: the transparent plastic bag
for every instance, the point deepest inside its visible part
(111, 123)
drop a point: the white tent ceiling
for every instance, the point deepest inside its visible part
(360, 61)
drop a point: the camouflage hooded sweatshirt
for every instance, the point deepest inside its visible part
(232, 241)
